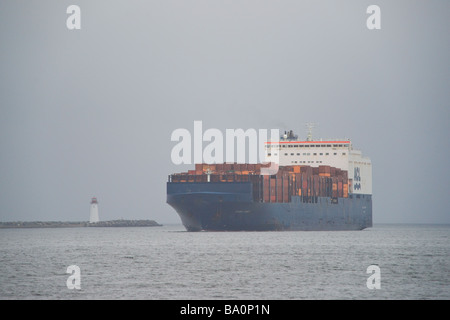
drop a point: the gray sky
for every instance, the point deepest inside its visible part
(90, 112)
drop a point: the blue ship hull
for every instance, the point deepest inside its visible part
(231, 206)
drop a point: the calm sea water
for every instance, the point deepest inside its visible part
(169, 263)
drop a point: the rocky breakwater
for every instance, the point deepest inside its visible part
(68, 224)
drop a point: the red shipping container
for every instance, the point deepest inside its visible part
(324, 169)
(333, 171)
(285, 190)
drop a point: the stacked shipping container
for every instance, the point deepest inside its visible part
(307, 182)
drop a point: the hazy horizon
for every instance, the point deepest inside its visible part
(90, 112)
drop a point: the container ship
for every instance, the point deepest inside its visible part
(319, 185)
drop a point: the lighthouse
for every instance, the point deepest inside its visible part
(94, 211)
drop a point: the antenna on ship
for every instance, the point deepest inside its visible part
(310, 126)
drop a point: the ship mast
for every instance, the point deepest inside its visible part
(310, 126)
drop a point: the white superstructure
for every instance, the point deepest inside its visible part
(289, 151)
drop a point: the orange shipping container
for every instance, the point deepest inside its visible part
(345, 191)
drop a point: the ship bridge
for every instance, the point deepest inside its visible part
(338, 153)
